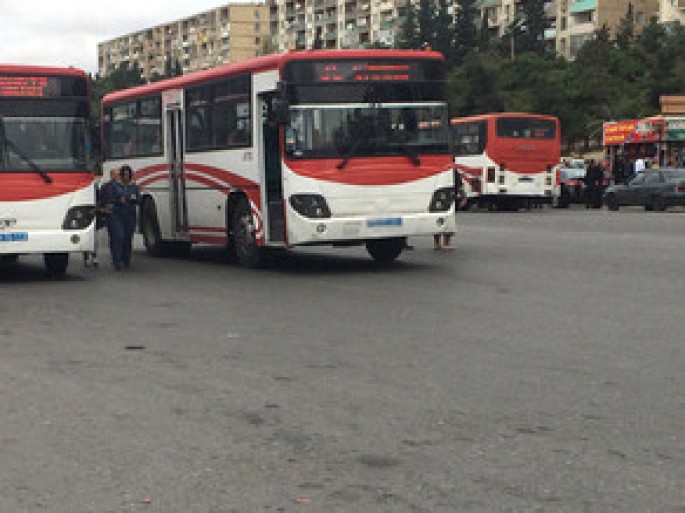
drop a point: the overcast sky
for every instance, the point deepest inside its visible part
(66, 32)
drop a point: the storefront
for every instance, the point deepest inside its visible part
(633, 139)
(674, 142)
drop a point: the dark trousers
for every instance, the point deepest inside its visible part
(115, 228)
(129, 225)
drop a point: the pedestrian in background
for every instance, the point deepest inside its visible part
(444, 240)
(128, 211)
(113, 191)
(593, 183)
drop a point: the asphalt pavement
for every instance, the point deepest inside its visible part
(538, 367)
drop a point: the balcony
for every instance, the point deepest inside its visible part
(582, 6)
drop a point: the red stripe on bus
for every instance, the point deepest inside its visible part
(373, 170)
(229, 178)
(209, 239)
(211, 229)
(31, 186)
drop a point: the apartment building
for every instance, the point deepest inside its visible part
(570, 23)
(230, 33)
(299, 24)
(671, 11)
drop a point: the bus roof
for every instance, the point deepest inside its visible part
(265, 63)
(496, 115)
(42, 70)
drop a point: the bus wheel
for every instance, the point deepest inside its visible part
(56, 263)
(247, 251)
(385, 251)
(612, 202)
(152, 238)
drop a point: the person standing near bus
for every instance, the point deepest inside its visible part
(593, 181)
(128, 212)
(459, 202)
(113, 191)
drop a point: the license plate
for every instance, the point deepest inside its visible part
(14, 237)
(526, 179)
(384, 221)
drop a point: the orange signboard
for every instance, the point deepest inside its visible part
(619, 132)
(638, 131)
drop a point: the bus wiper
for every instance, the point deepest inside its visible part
(358, 136)
(350, 154)
(27, 159)
(412, 156)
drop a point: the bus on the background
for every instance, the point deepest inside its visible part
(508, 160)
(311, 148)
(47, 199)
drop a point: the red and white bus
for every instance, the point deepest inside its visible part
(46, 180)
(508, 160)
(303, 148)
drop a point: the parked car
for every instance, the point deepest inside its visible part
(655, 189)
(572, 182)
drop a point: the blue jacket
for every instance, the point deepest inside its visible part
(124, 199)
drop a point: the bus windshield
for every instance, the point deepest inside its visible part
(526, 128)
(365, 130)
(50, 143)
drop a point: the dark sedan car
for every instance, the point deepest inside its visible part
(655, 189)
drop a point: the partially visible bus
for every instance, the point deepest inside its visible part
(311, 148)
(46, 180)
(508, 160)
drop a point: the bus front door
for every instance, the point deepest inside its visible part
(272, 170)
(177, 183)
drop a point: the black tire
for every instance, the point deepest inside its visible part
(56, 263)
(385, 251)
(244, 242)
(149, 226)
(612, 202)
(658, 204)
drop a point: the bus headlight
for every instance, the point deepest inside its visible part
(310, 205)
(78, 218)
(441, 200)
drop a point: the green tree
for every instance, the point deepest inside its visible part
(317, 44)
(473, 86)
(625, 32)
(533, 31)
(484, 32)
(409, 31)
(425, 22)
(444, 31)
(466, 34)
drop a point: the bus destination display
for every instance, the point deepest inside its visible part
(41, 86)
(352, 72)
(364, 71)
(14, 85)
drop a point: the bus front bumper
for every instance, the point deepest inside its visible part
(303, 231)
(18, 242)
